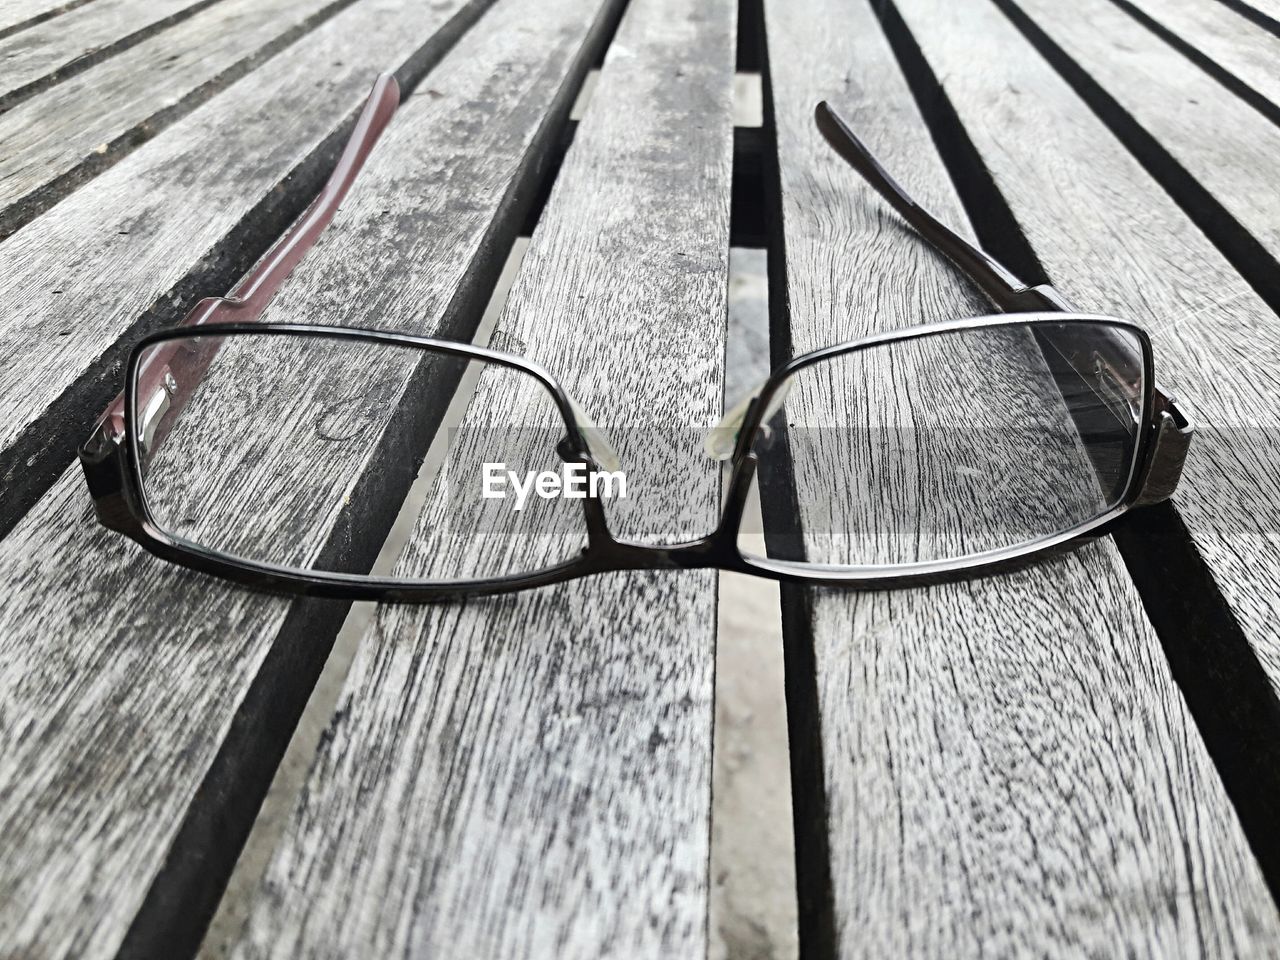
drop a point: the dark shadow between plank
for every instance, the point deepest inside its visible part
(1226, 690)
(814, 890)
(1229, 80)
(184, 895)
(1253, 15)
(18, 214)
(1249, 257)
(41, 18)
(40, 454)
(97, 55)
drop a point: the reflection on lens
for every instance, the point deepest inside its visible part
(951, 445)
(298, 451)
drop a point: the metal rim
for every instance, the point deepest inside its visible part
(604, 552)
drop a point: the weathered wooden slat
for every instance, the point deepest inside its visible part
(145, 706)
(1003, 765)
(530, 776)
(51, 51)
(175, 220)
(1114, 241)
(1225, 144)
(1244, 51)
(16, 15)
(62, 137)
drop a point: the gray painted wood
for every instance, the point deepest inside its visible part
(1007, 765)
(530, 776)
(43, 54)
(62, 137)
(1129, 250)
(1224, 143)
(138, 697)
(1243, 49)
(175, 221)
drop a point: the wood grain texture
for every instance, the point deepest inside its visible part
(177, 220)
(47, 52)
(1113, 241)
(1227, 146)
(62, 137)
(142, 704)
(16, 15)
(1000, 766)
(1244, 50)
(530, 776)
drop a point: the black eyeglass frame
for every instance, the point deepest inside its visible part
(125, 508)
(114, 469)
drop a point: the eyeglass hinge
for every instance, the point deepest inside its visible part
(1169, 449)
(102, 460)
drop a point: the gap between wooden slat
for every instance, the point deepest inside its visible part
(272, 818)
(748, 100)
(1253, 14)
(210, 788)
(556, 671)
(1248, 255)
(42, 446)
(757, 213)
(1237, 85)
(1161, 778)
(585, 92)
(13, 16)
(64, 171)
(306, 623)
(1226, 688)
(753, 903)
(812, 857)
(584, 95)
(52, 73)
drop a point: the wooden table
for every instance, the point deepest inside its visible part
(1079, 758)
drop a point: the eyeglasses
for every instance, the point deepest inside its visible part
(276, 455)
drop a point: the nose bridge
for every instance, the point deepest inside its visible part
(669, 484)
(713, 551)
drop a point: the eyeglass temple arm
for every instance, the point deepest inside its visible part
(1173, 429)
(994, 278)
(172, 370)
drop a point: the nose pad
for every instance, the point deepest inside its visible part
(598, 443)
(722, 439)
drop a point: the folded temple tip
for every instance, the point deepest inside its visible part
(829, 122)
